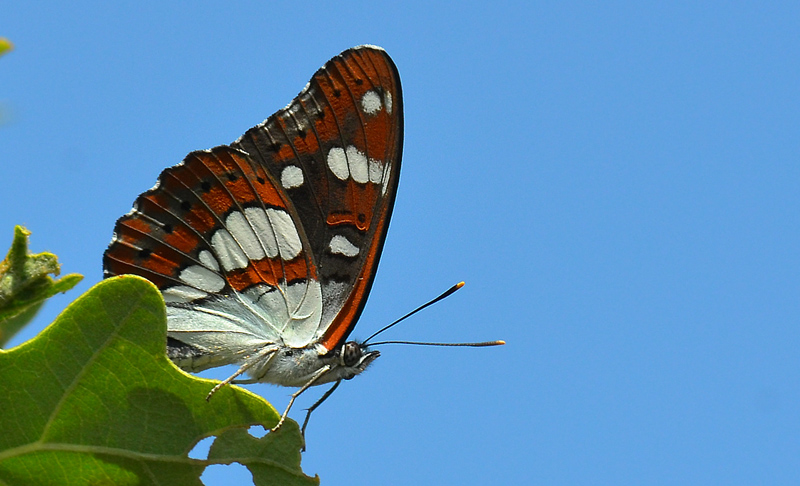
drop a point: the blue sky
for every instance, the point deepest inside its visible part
(617, 183)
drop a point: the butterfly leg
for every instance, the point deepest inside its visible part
(246, 366)
(319, 374)
(314, 407)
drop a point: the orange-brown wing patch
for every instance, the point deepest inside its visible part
(271, 272)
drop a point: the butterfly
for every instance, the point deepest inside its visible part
(265, 250)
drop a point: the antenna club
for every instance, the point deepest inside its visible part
(459, 285)
(489, 343)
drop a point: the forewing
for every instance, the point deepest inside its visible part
(336, 150)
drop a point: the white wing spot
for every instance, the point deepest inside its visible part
(228, 251)
(342, 246)
(288, 239)
(388, 97)
(357, 163)
(242, 231)
(387, 170)
(207, 259)
(202, 278)
(371, 102)
(263, 229)
(353, 163)
(337, 162)
(182, 293)
(375, 171)
(291, 177)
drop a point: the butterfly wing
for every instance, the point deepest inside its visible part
(336, 150)
(276, 238)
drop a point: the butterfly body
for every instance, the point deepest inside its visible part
(265, 249)
(283, 365)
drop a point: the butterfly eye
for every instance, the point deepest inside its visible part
(351, 354)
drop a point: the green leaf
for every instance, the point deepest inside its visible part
(266, 458)
(5, 45)
(94, 400)
(25, 284)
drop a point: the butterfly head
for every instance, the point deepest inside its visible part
(351, 359)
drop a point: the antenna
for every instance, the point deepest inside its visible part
(419, 343)
(446, 293)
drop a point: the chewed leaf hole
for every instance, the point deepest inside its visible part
(200, 450)
(219, 474)
(257, 431)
